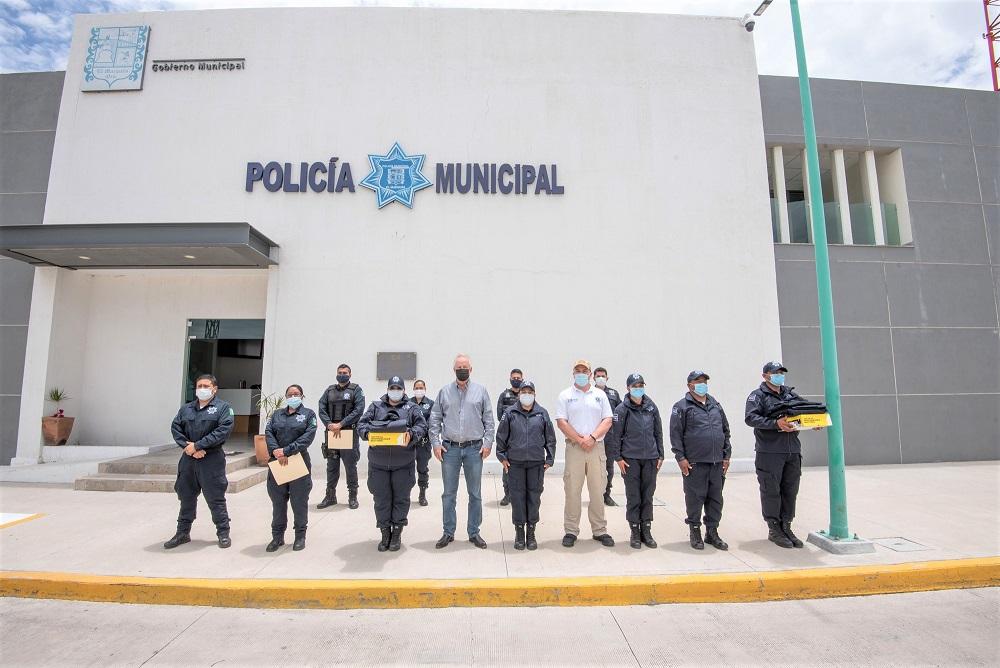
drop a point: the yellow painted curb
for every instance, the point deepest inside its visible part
(13, 523)
(624, 590)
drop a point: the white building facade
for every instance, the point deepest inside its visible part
(635, 230)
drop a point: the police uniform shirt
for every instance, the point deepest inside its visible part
(206, 426)
(293, 432)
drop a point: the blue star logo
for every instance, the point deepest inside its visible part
(395, 176)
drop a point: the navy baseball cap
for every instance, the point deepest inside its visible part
(696, 374)
(634, 379)
(396, 381)
(526, 384)
(771, 367)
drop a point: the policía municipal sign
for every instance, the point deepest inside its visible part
(397, 176)
(116, 58)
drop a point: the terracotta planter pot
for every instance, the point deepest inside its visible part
(56, 430)
(260, 449)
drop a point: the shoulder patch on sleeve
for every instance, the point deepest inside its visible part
(312, 423)
(752, 398)
(675, 411)
(232, 413)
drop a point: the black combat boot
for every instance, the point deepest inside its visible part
(712, 538)
(423, 496)
(300, 541)
(530, 541)
(329, 500)
(647, 535)
(608, 501)
(276, 542)
(383, 544)
(518, 536)
(224, 540)
(635, 541)
(696, 541)
(505, 501)
(179, 538)
(395, 538)
(786, 528)
(352, 499)
(777, 536)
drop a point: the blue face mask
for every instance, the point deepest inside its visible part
(637, 392)
(581, 379)
(701, 389)
(293, 402)
(778, 379)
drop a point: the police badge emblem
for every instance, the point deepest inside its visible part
(395, 176)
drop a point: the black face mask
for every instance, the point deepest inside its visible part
(343, 378)
(462, 374)
(515, 383)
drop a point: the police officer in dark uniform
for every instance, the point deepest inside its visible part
(390, 467)
(699, 438)
(201, 428)
(507, 399)
(615, 399)
(290, 430)
(636, 443)
(526, 446)
(779, 454)
(341, 407)
(424, 449)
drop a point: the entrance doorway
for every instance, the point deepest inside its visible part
(232, 350)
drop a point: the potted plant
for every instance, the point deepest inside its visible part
(56, 428)
(266, 404)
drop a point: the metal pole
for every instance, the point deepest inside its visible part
(827, 328)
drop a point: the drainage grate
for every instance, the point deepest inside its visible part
(901, 544)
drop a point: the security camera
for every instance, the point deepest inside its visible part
(748, 22)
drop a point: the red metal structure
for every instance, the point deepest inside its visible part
(991, 8)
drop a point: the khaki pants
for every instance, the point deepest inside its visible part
(590, 467)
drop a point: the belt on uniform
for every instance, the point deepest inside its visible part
(463, 444)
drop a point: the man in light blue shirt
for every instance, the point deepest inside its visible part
(461, 431)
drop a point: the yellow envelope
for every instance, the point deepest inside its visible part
(295, 469)
(344, 442)
(387, 438)
(811, 420)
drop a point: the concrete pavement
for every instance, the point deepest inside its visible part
(948, 628)
(943, 511)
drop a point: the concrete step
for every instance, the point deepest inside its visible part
(239, 480)
(165, 463)
(76, 453)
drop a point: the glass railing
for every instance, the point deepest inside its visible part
(775, 223)
(862, 227)
(890, 223)
(798, 223)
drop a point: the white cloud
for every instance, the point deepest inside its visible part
(906, 41)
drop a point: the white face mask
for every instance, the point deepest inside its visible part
(395, 395)
(204, 393)
(420, 394)
(526, 399)
(600, 381)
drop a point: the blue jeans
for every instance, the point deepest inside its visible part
(455, 459)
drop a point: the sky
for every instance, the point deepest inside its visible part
(937, 43)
